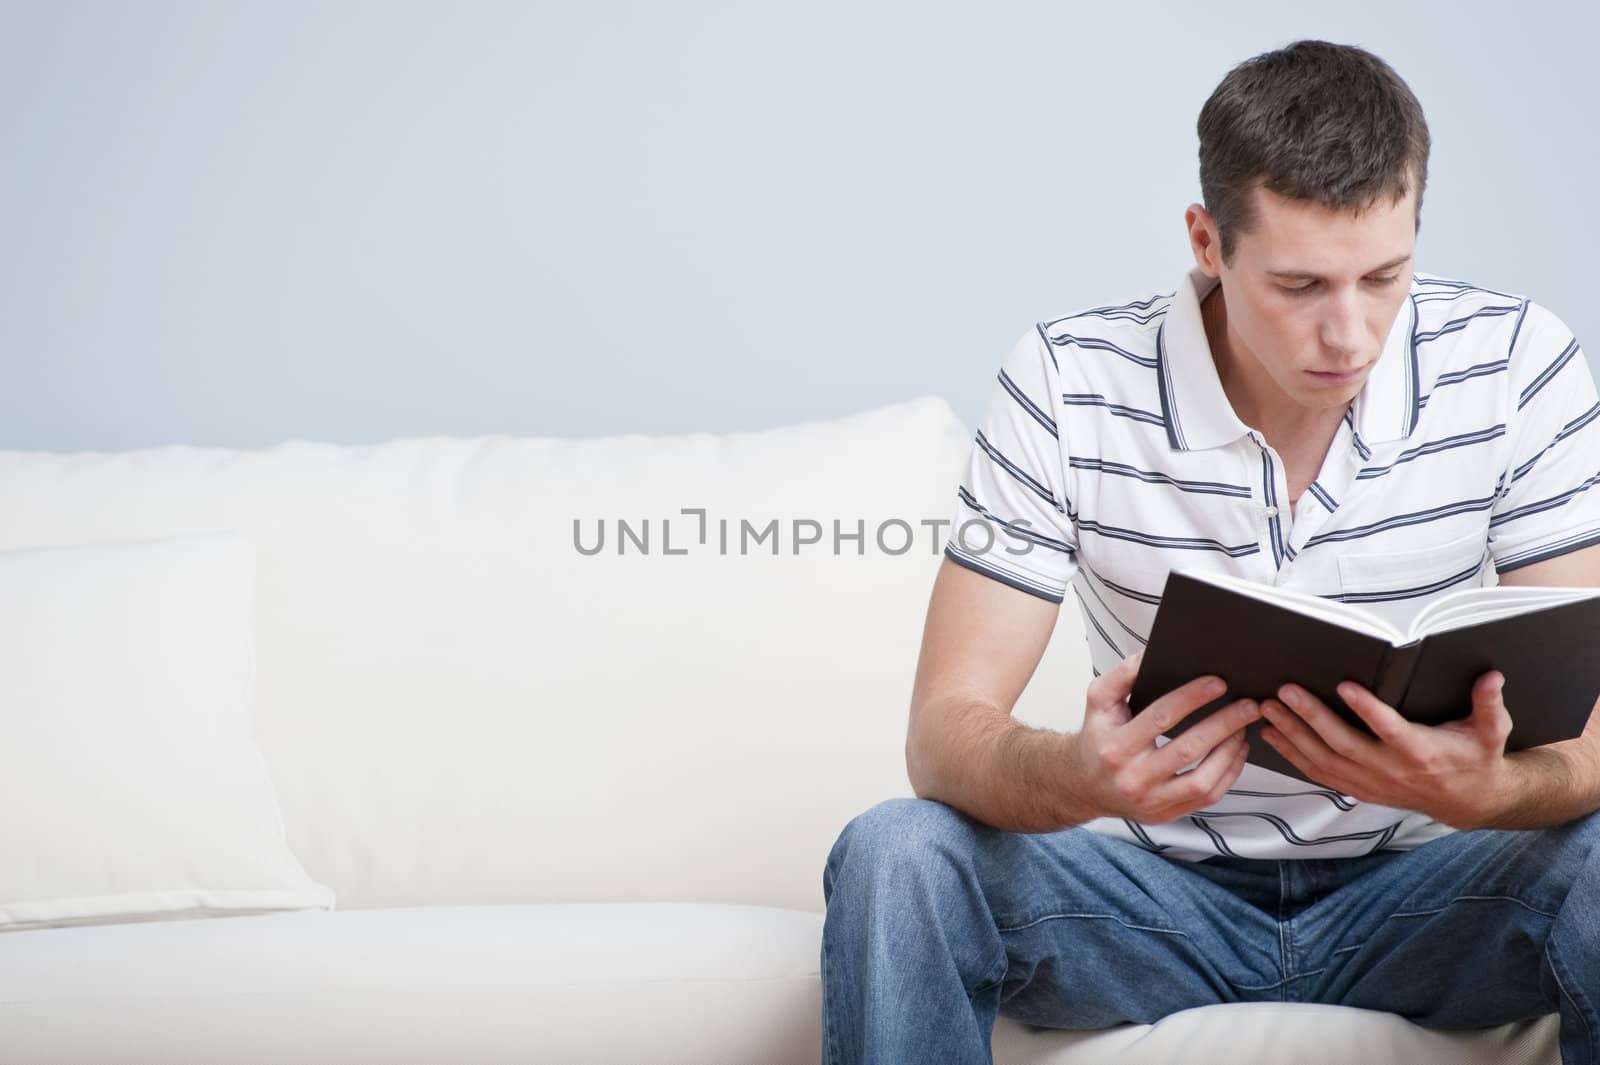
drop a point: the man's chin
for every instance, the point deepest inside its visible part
(1329, 399)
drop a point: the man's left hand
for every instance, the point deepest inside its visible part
(1457, 773)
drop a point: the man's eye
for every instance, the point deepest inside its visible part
(1301, 290)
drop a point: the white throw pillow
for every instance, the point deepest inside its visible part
(131, 786)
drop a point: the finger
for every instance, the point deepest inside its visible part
(1294, 739)
(1335, 734)
(1384, 720)
(1304, 747)
(1198, 741)
(1292, 754)
(1169, 709)
(1109, 689)
(1207, 782)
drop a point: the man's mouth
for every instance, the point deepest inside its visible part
(1335, 377)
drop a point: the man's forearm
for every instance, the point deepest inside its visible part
(1550, 785)
(1001, 772)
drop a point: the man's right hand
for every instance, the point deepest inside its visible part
(1119, 771)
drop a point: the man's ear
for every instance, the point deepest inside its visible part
(1204, 239)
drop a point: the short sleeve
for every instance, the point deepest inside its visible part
(1548, 502)
(1013, 515)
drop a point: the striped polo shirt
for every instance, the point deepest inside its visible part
(1109, 455)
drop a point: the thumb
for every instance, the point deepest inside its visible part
(1490, 718)
(1108, 693)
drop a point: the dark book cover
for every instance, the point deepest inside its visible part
(1550, 657)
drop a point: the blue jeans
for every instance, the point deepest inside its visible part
(937, 923)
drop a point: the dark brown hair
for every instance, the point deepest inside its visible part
(1329, 123)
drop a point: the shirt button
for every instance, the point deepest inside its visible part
(1271, 512)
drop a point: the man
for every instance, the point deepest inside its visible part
(1306, 410)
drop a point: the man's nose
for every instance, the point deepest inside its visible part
(1344, 327)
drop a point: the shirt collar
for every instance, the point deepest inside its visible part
(1198, 414)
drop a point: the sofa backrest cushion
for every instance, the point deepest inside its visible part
(458, 705)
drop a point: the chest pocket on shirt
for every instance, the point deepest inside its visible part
(1420, 571)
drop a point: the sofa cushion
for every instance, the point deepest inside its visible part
(131, 782)
(656, 984)
(598, 983)
(458, 706)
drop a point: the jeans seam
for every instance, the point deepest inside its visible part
(1283, 941)
(1277, 983)
(1139, 928)
(996, 982)
(1555, 971)
(1473, 898)
(1005, 969)
(830, 1048)
(1094, 917)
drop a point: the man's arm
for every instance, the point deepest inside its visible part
(1550, 462)
(1557, 782)
(980, 645)
(982, 641)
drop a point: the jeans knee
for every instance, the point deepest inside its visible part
(901, 834)
(1587, 827)
(1583, 836)
(1577, 840)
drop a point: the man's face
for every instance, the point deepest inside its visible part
(1311, 294)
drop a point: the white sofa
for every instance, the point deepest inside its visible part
(574, 808)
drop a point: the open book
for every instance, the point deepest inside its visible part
(1258, 637)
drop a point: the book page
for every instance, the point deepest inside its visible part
(1474, 605)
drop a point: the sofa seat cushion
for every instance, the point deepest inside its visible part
(573, 983)
(1276, 1033)
(585, 982)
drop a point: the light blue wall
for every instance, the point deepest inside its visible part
(235, 224)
